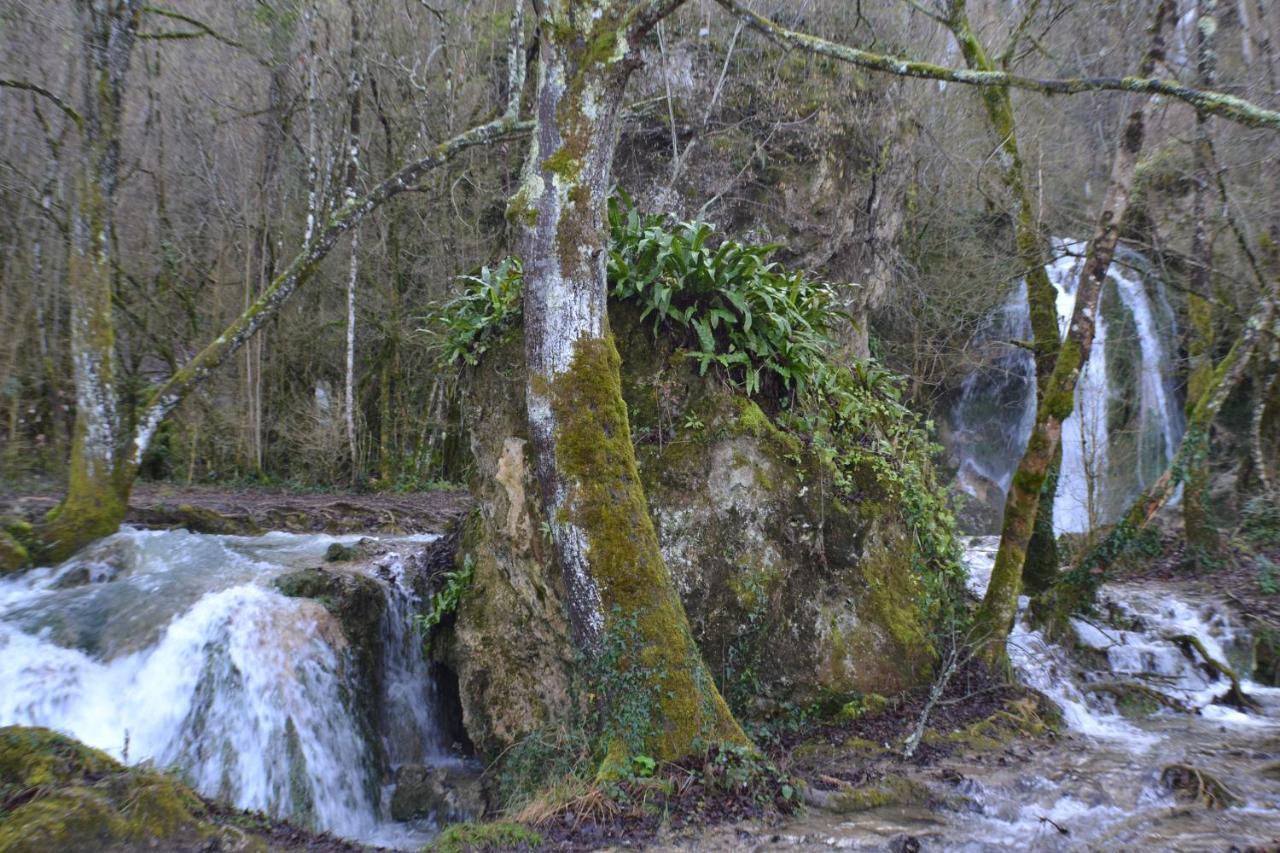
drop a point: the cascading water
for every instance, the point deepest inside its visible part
(174, 648)
(1102, 783)
(1127, 419)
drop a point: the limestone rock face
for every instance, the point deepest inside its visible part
(792, 595)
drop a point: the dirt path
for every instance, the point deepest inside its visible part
(207, 509)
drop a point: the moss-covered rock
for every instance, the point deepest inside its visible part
(889, 790)
(57, 794)
(791, 593)
(474, 837)
(360, 605)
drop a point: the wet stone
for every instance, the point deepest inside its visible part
(448, 793)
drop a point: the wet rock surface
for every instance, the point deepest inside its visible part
(447, 793)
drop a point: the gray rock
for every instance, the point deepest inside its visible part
(450, 793)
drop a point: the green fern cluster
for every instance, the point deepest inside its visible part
(740, 311)
(767, 331)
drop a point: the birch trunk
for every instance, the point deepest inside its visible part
(618, 588)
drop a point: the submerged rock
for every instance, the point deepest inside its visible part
(359, 603)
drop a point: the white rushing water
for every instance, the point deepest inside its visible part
(174, 648)
(1118, 438)
(1106, 785)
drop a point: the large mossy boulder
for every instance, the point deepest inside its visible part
(58, 794)
(793, 595)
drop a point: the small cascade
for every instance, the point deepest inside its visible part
(1137, 698)
(1163, 646)
(1127, 420)
(411, 732)
(174, 648)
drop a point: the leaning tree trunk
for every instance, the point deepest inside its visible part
(1042, 298)
(97, 487)
(999, 607)
(623, 605)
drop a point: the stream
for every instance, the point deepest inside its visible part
(1099, 786)
(174, 648)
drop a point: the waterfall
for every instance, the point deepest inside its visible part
(1127, 419)
(173, 648)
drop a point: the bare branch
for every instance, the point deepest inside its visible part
(1219, 104)
(26, 86)
(164, 398)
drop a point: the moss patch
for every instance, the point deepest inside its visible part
(608, 505)
(57, 794)
(469, 837)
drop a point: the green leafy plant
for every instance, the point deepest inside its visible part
(488, 307)
(737, 309)
(446, 600)
(767, 331)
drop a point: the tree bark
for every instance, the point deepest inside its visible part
(97, 488)
(999, 607)
(623, 606)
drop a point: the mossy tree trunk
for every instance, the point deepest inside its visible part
(999, 606)
(1042, 298)
(98, 479)
(1204, 543)
(623, 606)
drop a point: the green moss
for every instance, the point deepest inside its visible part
(467, 837)
(608, 505)
(13, 554)
(891, 790)
(57, 794)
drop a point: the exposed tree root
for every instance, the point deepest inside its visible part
(1195, 785)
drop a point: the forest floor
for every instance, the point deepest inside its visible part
(254, 510)
(851, 763)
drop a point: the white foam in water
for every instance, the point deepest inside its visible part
(182, 654)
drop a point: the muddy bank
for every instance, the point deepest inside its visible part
(250, 511)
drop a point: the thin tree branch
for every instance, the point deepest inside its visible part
(26, 86)
(165, 397)
(1219, 104)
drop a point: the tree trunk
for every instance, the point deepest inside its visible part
(97, 487)
(1042, 297)
(999, 607)
(623, 606)
(1204, 543)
